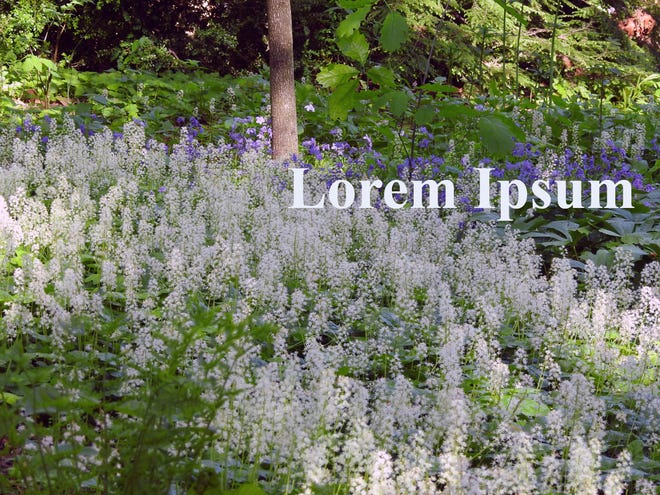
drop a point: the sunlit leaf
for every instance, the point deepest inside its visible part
(343, 100)
(333, 75)
(352, 22)
(355, 47)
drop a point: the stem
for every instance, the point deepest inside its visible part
(552, 56)
(600, 101)
(481, 56)
(504, 47)
(56, 49)
(419, 99)
(518, 53)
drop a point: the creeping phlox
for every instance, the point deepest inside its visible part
(407, 353)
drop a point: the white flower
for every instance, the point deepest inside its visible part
(310, 107)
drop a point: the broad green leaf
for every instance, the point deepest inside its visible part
(382, 76)
(424, 115)
(100, 99)
(8, 398)
(438, 88)
(32, 62)
(394, 32)
(354, 47)
(132, 110)
(532, 408)
(497, 133)
(343, 100)
(602, 257)
(635, 251)
(636, 449)
(333, 75)
(398, 102)
(352, 22)
(455, 110)
(620, 226)
(563, 226)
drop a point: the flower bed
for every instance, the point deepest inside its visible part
(171, 325)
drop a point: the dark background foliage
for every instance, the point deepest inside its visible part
(230, 36)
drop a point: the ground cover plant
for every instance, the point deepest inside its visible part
(170, 325)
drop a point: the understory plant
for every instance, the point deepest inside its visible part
(171, 325)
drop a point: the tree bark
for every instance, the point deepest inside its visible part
(282, 89)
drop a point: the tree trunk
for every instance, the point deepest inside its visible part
(282, 90)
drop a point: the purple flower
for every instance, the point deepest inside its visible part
(312, 148)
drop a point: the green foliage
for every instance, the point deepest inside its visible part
(112, 98)
(471, 43)
(145, 55)
(393, 32)
(26, 26)
(154, 432)
(497, 133)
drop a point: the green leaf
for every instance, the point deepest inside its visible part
(5, 296)
(333, 75)
(424, 115)
(352, 22)
(398, 102)
(497, 133)
(382, 76)
(343, 100)
(565, 227)
(9, 398)
(456, 110)
(636, 449)
(602, 257)
(532, 408)
(354, 47)
(394, 32)
(32, 62)
(438, 88)
(99, 99)
(635, 251)
(132, 110)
